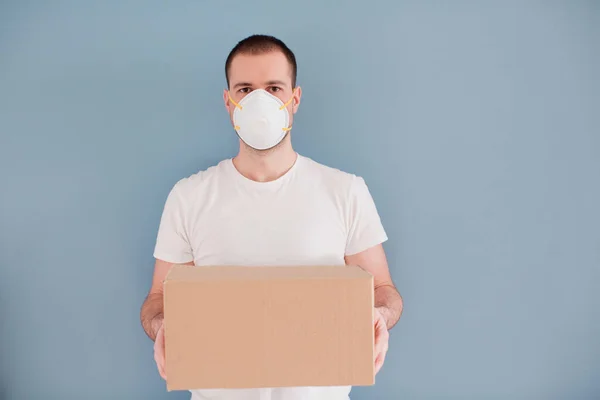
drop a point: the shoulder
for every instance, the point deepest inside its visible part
(200, 182)
(333, 178)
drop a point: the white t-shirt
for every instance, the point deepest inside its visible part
(312, 215)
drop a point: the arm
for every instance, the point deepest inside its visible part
(151, 313)
(171, 244)
(387, 299)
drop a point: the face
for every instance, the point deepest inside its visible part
(269, 71)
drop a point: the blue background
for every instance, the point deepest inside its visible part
(475, 124)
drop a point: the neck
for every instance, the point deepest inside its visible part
(265, 166)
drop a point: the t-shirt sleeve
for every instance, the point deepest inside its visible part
(172, 243)
(365, 227)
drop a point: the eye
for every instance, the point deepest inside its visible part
(275, 89)
(244, 90)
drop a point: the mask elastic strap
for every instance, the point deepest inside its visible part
(237, 128)
(289, 101)
(233, 101)
(285, 105)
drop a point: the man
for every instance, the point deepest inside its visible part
(270, 206)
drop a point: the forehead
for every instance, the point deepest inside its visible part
(260, 68)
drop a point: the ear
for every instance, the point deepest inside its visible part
(296, 99)
(226, 100)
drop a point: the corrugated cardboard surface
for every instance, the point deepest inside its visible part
(248, 327)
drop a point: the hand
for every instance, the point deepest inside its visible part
(381, 339)
(159, 351)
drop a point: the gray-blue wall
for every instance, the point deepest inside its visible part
(475, 124)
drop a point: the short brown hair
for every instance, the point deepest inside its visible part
(260, 44)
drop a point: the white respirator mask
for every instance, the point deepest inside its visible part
(261, 120)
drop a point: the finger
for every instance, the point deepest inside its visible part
(159, 353)
(377, 357)
(378, 364)
(160, 364)
(380, 359)
(160, 367)
(381, 340)
(380, 328)
(159, 357)
(378, 345)
(381, 349)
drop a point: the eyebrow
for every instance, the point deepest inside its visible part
(279, 83)
(241, 84)
(248, 84)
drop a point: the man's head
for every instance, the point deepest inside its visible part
(261, 62)
(259, 45)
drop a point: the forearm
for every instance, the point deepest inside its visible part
(389, 303)
(151, 314)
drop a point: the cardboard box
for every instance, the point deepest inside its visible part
(252, 327)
